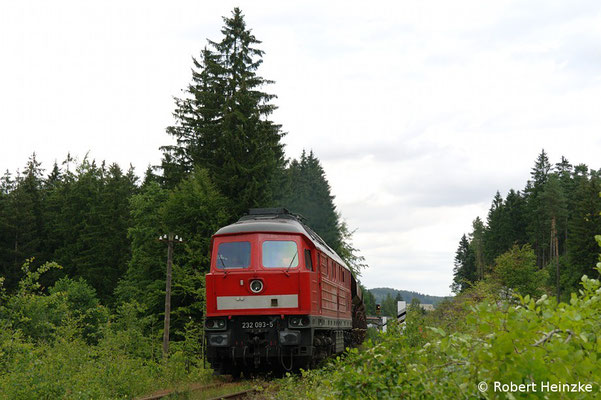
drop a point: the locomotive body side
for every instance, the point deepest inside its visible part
(276, 298)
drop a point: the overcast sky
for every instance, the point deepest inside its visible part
(419, 111)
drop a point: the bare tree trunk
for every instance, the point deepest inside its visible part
(565, 243)
(554, 253)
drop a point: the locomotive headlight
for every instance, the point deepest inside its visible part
(298, 322)
(215, 324)
(256, 286)
(219, 339)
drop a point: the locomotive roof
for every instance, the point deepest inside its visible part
(278, 220)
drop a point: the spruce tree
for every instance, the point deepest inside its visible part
(564, 171)
(53, 205)
(308, 193)
(87, 217)
(536, 224)
(25, 219)
(477, 245)
(464, 272)
(515, 219)
(505, 225)
(389, 306)
(496, 235)
(6, 231)
(554, 209)
(199, 120)
(369, 301)
(541, 170)
(223, 125)
(305, 190)
(583, 226)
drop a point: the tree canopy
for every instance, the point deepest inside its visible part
(555, 218)
(223, 124)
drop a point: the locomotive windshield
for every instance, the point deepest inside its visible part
(280, 254)
(233, 255)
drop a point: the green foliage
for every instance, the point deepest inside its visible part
(531, 341)
(89, 224)
(223, 125)
(505, 225)
(305, 190)
(407, 295)
(193, 210)
(69, 368)
(308, 193)
(557, 214)
(464, 272)
(477, 238)
(389, 305)
(348, 252)
(39, 317)
(21, 220)
(145, 275)
(76, 218)
(369, 301)
(516, 269)
(61, 345)
(583, 225)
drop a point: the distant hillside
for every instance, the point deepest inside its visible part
(380, 294)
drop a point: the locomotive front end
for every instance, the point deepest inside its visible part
(257, 315)
(278, 297)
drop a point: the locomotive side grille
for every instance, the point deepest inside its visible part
(257, 302)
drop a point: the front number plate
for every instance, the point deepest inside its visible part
(257, 324)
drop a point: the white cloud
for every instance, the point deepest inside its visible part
(418, 111)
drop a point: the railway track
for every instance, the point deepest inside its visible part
(236, 393)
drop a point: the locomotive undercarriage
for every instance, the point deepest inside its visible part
(271, 343)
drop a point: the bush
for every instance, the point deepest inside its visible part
(63, 345)
(38, 315)
(521, 342)
(516, 269)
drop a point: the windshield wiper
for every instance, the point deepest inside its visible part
(222, 263)
(291, 261)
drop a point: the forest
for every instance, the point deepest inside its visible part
(546, 230)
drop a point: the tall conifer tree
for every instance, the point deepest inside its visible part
(536, 225)
(496, 235)
(308, 193)
(24, 222)
(464, 271)
(477, 244)
(223, 124)
(584, 225)
(564, 171)
(554, 210)
(515, 213)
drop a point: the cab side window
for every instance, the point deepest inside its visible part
(308, 260)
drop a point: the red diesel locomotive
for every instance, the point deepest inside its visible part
(278, 297)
